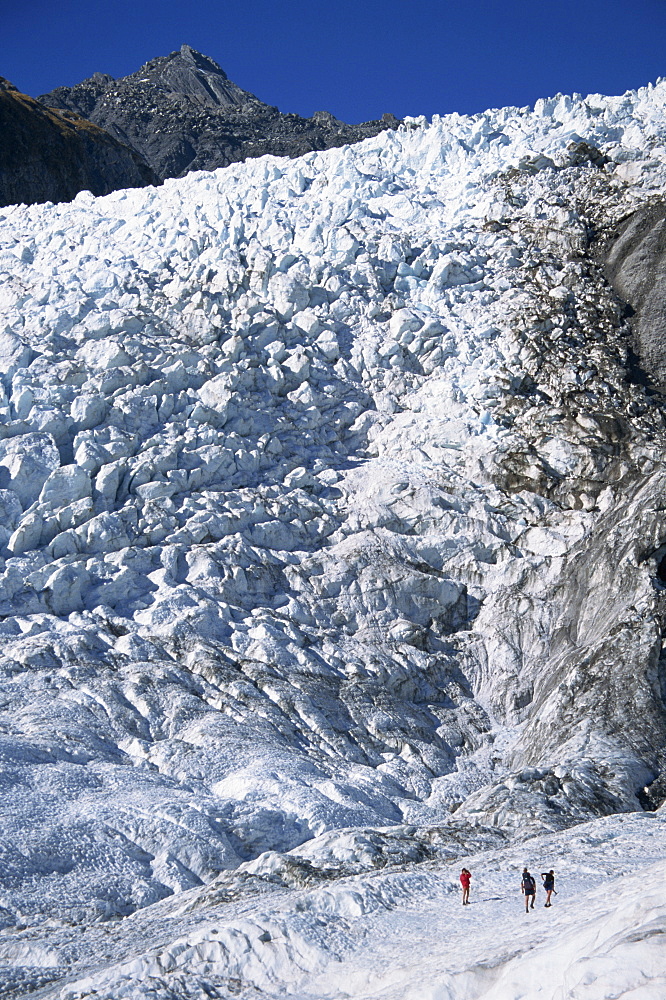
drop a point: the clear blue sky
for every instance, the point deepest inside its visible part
(356, 59)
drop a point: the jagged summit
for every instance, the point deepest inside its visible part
(181, 112)
(188, 73)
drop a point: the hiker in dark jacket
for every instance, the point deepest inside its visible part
(528, 887)
(548, 879)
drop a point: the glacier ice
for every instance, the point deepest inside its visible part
(332, 521)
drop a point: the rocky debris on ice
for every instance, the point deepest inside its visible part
(330, 505)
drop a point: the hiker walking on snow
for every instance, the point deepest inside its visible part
(549, 885)
(528, 886)
(465, 879)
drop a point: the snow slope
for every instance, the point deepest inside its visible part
(396, 933)
(328, 504)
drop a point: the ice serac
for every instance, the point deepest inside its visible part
(333, 552)
(181, 113)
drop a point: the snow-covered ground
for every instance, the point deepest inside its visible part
(328, 505)
(397, 933)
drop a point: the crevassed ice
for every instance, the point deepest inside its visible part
(311, 516)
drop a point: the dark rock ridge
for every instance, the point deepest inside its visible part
(181, 113)
(48, 155)
(635, 261)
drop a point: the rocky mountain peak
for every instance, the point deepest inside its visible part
(181, 113)
(188, 73)
(189, 55)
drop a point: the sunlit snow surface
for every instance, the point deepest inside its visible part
(328, 524)
(397, 934)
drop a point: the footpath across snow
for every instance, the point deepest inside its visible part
(402, 934)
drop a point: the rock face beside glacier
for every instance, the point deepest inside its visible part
(47, 155)
(635, 259)
(181, 112)
(332, 522)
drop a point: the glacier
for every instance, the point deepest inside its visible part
(331, 560)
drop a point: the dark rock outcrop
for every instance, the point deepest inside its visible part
(48, 155)
(635, 263)
(181, 113)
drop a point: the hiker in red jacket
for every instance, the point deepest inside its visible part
(465, 879)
